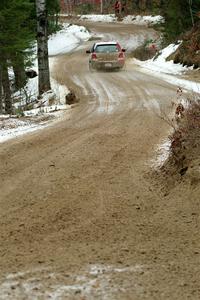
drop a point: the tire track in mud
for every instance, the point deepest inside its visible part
(112, 90)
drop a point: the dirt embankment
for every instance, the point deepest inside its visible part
(189, 51)
(183, 165)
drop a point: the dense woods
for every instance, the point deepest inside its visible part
(18, 32)
(179, 15)
(16, 35)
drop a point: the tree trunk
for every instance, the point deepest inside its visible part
(42, 47)
(142, 4)
(57, 17)
(19, 71)
(136, 4)
(191, 14)
(6, 90)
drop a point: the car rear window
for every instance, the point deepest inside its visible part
(106, 48)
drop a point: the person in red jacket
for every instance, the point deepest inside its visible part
(118, 7)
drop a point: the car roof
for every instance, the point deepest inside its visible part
(106, 43)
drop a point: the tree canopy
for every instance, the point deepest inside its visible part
(17, 34)
(16, 26)
(179, 16)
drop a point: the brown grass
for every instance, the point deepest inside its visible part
(185, 138)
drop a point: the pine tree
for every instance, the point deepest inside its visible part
(178, 17)
(53, 8)
(15, 36)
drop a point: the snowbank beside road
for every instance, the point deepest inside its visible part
(15, 127)
(130, 19)
(67, 39)
(33, 120)
(64, 41)
(99, 18)
(159, 63)
(143, 20)
(30, 92)
(158, 66)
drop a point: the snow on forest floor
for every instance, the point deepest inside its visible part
(64, 41)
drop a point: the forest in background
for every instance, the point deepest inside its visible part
(18, 34)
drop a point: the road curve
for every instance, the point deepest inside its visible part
(80, 218)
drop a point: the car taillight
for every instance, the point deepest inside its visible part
(94, 56)
(121, 55)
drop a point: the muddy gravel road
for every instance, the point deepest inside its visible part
(81, 216)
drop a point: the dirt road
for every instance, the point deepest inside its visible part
(81, 217)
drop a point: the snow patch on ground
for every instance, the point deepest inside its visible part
(46, 109)
(57, 93)
(158, 66)
(11, 128)
(38, 117)
(99, 18)
(130, 19)
(142, 20)
(64, 41)
(94, 282)
(35, 119)
(67, 39)
(162, 154)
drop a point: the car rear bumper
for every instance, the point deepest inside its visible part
(107, 64)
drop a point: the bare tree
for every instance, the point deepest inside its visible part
(192, 18)
(42, 44)
(6, 89)
(101, 6)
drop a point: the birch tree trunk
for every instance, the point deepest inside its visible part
(42, 47)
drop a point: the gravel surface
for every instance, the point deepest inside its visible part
(81, 214)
